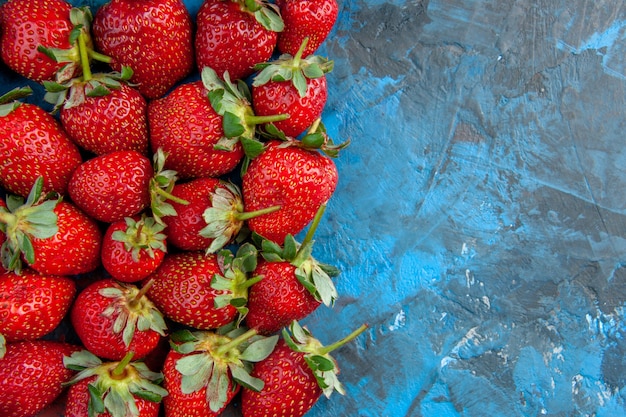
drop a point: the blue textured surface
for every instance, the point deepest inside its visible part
(480, 216)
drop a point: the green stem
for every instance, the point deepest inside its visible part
(348, 338)
(169, 196)
(84, 57)
(316, 221)
(236, 342)
(256, 213)
(120, 368)
(298, 57)
(97, 56)
(250, 282)
(257, 120)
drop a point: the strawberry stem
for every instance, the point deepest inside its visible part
(257, 120)
(256, 213)
(250, 282)
(84, 57)
(97, 56)
(298, 56)
(316, 221)
(236, 342)
(144, 290)
(169, 196)
(120, 369)
(339, 343)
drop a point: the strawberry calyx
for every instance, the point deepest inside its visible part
(315, 276)
(161, 186)
(234, 280)
(316, 138)
(239, 122)
(225, 218)
(116, 384)
(143, 235)
(294, 69)
(9, 101)
(266, 13)
(132, 310)
(211, 358)
(317, 356)
(21, 220)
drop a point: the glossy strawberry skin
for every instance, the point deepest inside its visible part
(281, 97)
(183, 230)
(153, 37)
(182, 291)
(290, 387)
(112, 186)
(32, 305)
(26, 24)
(78, 400)
(298, 180)
(74, 249)
(179, 404)
(95, 329)
(306, 18)
(230, 39)
(187, 128)
(278, 299)
(114, 122)
(33, 144)
(31, 376)
(119, 262)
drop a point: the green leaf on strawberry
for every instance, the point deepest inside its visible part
(161, 186)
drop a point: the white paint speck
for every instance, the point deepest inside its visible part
(399, 321)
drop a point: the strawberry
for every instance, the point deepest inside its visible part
(32, 305)
(204, 291)
(38, 37)
(133, 248)
(294, 284)
(152, 37)
(112, 389)
(294, 86)
(205, 369)
(101, 113)
(295, 375)
(32, 376)
(313, 19)
(112, 319)
(53, 236)
(33, 144)
(234, 35)
(297, 179)
(112, 186)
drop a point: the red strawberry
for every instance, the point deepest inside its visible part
(32, 376)
(112, 319)
(27, 26)
(101, 113)
(295, 375)
(313, 19)
(53, 237)
(297, 179)
(293, 285)
(294, 86)
(112, 389)
(152, 37)
(133, 248)
(112, 186)
(204, 291)
(32, 305)
(184, 125)
(33, 144)
(205, 370)
(234, 35)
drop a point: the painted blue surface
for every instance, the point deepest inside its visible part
(479, 221)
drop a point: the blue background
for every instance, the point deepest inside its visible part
(479, 221)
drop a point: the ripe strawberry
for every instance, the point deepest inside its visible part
(205, 369)
(101, 113)
(294, 86)
(294, 284)
(32, 305)
(33, 144)
(53, 236)
(32, 376)
(204, 291)
(297, 179)
(295, 375)
(112, 319)
(152, 37)
(313, 19)
(234, 35)
(133, 248)
(36, 37)
(112, 389)
(112, 186)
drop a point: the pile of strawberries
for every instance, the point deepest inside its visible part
(148, 221)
